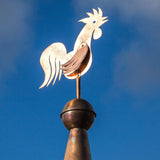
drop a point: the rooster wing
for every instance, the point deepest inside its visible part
(76, 65)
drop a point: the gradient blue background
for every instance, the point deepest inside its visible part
(123, 84)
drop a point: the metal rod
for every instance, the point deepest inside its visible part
(78, 87)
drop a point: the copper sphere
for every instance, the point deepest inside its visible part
(78, 113)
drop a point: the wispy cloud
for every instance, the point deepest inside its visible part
(125, 8)
(137, 67)
(138, 70)
(14, 32)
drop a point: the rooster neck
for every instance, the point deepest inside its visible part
(84, 36)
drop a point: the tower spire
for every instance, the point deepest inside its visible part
(78, 116)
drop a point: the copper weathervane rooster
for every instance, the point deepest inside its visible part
(55, 60)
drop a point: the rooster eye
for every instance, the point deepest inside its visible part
(83, 44)
(94, 22)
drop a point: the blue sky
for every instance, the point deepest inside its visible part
(123, 84)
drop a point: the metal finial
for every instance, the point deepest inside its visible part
(78, 116)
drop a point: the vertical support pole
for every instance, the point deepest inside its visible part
(78, 87)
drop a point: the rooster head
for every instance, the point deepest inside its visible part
(94, 21)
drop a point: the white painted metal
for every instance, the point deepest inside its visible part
(55, 55)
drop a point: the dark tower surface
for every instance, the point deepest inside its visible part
(78, 116)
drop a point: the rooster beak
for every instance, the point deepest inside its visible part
(84, 20)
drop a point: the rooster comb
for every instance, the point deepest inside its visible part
(95, 13)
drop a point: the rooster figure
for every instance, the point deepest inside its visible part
(55, 60)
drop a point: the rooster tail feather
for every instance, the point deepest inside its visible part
(53, 70)
(51, 60)
(57, 71)
(46, 66)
